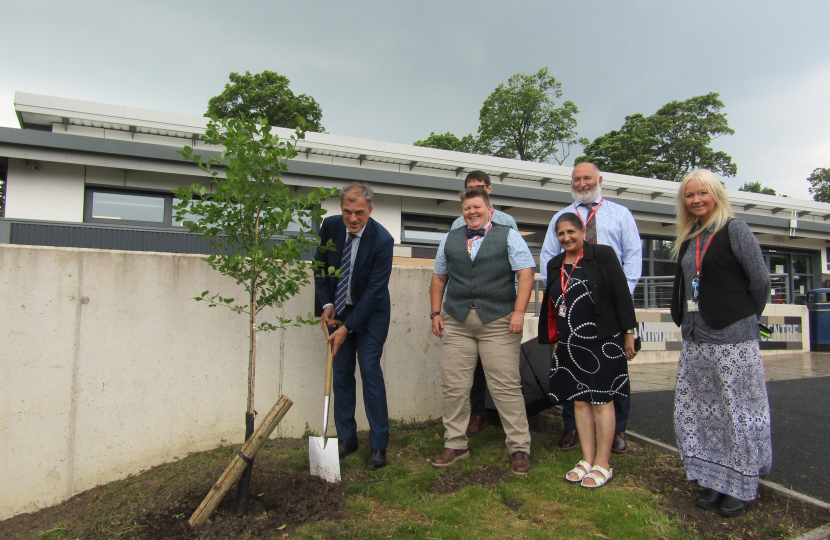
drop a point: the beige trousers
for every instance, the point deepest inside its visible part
(499, 352)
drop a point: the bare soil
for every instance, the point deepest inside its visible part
(157, 503)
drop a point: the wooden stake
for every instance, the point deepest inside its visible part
(238, 465)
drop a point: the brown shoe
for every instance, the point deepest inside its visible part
(476, 424)
(521, 463)
(569, 439)
(620, 445)
(449, 456)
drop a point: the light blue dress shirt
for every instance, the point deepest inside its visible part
(355, 247)
(615, 228)
(517, 251)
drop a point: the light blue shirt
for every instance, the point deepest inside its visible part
(499, 218)
(353, 254)
(615, 228)
(517, 251)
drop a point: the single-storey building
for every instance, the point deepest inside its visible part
(84, 174)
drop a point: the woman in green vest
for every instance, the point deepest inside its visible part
(483, 315)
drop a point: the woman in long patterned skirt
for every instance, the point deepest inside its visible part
(721, 410)
(587, 309)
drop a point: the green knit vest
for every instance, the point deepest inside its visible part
(485, 283)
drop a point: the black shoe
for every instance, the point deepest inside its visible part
(346, 448)
(569, 439)
(731, 507)
(377, 458)
(709, 499)
(619, 445)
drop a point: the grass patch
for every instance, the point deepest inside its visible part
(409, 499)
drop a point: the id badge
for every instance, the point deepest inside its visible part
(563, 311)
(691, 306)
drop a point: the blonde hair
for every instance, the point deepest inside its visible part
(686, 220)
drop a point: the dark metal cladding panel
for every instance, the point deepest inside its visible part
(39, 234)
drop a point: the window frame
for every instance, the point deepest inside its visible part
(91, 190)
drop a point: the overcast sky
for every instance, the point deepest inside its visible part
(394, 71)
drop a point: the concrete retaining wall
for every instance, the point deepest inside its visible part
(109, 367)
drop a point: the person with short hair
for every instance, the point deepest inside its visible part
(588, 315)
(478, 413)
(721, 409)
(483, 315)
(609, 224)
(360, 299)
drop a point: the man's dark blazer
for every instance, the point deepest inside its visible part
(370, 275)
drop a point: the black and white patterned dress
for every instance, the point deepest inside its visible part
(584, 368)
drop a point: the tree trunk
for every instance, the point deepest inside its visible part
(245, 481)
(238, 464)
(242, 489)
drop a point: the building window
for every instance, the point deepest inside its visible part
(657, 259)
(424, 229)
(127, 207)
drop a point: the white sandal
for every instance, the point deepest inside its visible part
(579, 472)
(598, 480)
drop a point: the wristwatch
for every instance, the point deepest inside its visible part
(348, 330)
(433, 314)
(629, 331)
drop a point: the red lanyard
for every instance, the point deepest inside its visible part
(585, 222)
(562, 280)
(698, 256)
(471, 240)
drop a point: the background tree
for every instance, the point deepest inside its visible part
(245, 221)
(756, 187)
(820, 184)
(521, 120)
(448, 141)
(667, 144)
(266, 94)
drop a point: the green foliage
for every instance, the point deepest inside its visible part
(521, 121)
(246, 220)
(266, 94)
(667, 144)
(448, 141)
(820, 184)
(249, 208)
(756, 187)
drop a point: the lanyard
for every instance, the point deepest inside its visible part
(699, 256)
(562, 280)
(471, 240)
(585, 222)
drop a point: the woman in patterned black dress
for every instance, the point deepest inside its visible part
(592, 325)
(721, 410)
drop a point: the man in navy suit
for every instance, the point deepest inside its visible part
(360, 299)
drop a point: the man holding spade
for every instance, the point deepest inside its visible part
(359, 298)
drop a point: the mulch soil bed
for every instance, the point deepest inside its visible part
(157, 503)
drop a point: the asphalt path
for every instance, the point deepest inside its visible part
(800, 411)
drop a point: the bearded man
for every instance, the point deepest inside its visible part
(612, 225)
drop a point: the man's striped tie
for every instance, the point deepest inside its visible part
(345, 270)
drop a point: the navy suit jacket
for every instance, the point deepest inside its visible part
(370, 275)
